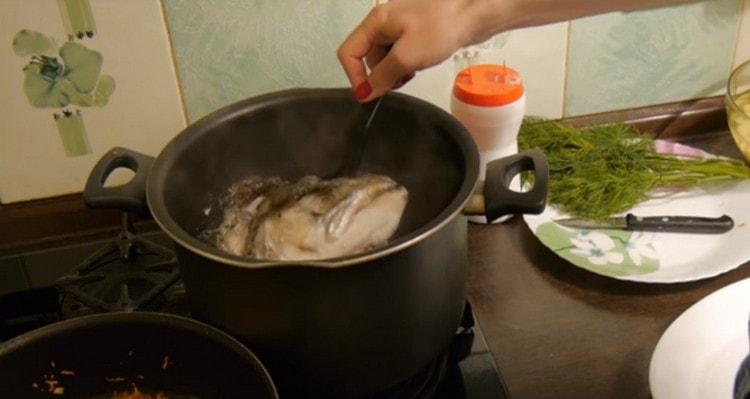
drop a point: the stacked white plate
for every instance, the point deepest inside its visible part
(699, 355)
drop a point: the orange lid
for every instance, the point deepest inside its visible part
(488, 85)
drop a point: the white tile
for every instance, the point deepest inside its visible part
(538, 54)
(144, 112)
(742, 52)
(433, 84)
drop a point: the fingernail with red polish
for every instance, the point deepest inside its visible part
(363, 90)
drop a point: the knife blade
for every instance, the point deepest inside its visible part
(672, 224)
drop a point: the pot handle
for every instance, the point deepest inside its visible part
(495, 199)
(130, 196)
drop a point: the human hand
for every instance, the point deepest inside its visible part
(401, 37)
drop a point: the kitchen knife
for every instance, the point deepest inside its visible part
(672, 224)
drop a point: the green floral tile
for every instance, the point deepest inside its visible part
(625, 60)
(79, 77)
(230, 50)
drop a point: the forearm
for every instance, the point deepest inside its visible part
(401, 37)
(496, 16)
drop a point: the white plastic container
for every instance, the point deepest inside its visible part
(490, 101)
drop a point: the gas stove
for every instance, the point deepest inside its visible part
(139, 272)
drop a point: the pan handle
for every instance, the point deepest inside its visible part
(130, 197)
(495, 199)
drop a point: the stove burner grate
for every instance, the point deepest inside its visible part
(126, 274)
(426, 383)
(421, 386)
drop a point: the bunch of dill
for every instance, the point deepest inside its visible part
(605, 170)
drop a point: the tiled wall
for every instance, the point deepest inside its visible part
(625, 61)
(179, 57)
(608, 62)
(230, 50)
(111, 82)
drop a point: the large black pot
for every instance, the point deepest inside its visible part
(346, 327)
(96, 356)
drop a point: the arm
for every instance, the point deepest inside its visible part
(506, 15)
(400, 37)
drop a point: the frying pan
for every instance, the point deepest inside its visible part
(96, 356)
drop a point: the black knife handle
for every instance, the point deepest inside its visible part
(680, 224)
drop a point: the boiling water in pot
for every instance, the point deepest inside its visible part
(311, 219)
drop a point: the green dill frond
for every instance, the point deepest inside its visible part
(606, 170)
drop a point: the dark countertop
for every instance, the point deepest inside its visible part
(558, 331)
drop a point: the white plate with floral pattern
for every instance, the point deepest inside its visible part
(658, 257)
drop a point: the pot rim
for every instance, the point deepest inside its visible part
(157, 175)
